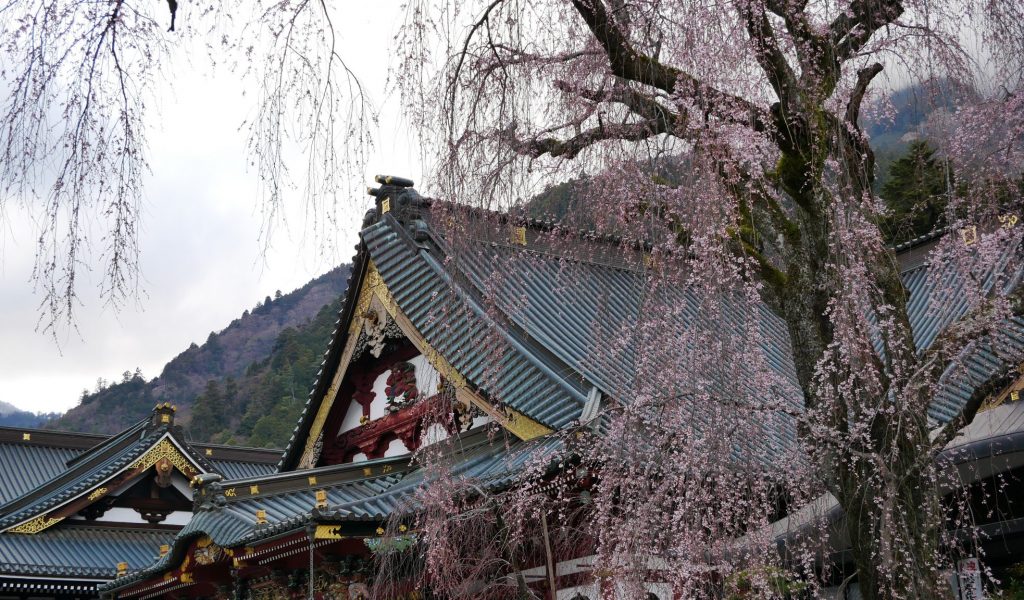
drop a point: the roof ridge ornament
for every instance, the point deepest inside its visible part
(393, 180)
(163, 415)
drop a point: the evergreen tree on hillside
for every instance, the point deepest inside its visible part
(208, 415)
(915, 192)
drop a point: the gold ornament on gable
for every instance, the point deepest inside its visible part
(165, 450)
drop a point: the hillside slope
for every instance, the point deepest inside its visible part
(237, 350)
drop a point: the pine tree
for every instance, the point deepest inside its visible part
(208, 414)
(916, 193)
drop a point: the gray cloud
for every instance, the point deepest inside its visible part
(202, 263)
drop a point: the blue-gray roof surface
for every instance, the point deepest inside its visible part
(930, 314)
(571, 307)
(87, 551)
(577, 308)
(548, 317)
(457, 326)
(28, 466)
(236, 469)
(491, 462)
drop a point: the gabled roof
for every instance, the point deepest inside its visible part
(138, 447)
(551, 330)
(364, 493)
(32, 457)
(50, 475)
(503, 287)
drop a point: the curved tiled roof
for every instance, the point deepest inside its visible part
(91, 468)
(550, 330)
(27, 466)
(92, 551)
(549, 324)
(352, 495)
(236, 469)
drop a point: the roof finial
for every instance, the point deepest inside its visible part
(392, 180)
(163, 414)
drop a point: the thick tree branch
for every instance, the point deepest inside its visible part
(641, 104)
(629, 64)
(864, 78)
(853, 28)
(766, 51)
(569, 148)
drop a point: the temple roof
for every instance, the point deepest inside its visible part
(90, 552)
(365, 493)
(33, 457)
(550, 326)
(929, 314)
(505, 287)
(89, 469)
(49, 477)
(29, 463)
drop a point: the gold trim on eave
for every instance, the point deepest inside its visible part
(35, 525)
(1010, 393)
(328, 532)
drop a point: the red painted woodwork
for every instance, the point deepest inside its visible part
(372, 438)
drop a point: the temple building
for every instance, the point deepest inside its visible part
(403, 371)
(77, 510)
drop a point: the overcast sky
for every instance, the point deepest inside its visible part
(201, 256)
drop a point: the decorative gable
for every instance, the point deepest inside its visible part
(387, 380)
(110, 477)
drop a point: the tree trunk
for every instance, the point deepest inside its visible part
(884, 480)
(894, 528)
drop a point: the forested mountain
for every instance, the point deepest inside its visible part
(239, 382)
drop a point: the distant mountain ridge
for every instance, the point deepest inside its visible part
(12, 416)
(238, 352)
